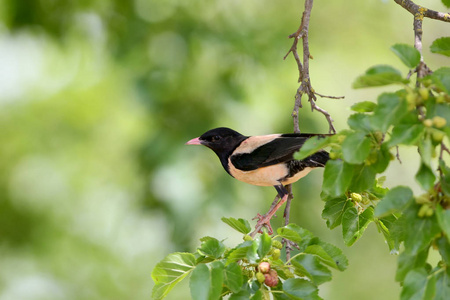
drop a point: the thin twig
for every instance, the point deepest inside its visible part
(419, 13)
(303, 69)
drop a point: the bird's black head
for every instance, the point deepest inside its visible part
(221, 140)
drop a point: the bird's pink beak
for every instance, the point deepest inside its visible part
(195, 141)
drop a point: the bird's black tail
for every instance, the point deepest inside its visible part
(318, 159)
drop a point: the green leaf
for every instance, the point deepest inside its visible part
(329, 254)
(390, 110)
(417, 286)
(383, 158)
(264, 245)
(289, 234)
(425, 177)
(356, 147)
(354, 224)
(310, 266)
(211, 247)
(442, 285)
(441, 77)
(359, 122)
(446, 3)
(206, 283)
(334, 209)
(337, 177)
(394, 201)
(379, 76)
(444, 248)
(385, 225)
(171, 270)
(406, 134)
(240, 225)
(418, 232)
(311, 146)
(242, 295)
(247, 250)
(426, 151)
(443, 218)
(232, 277)
(407, 262)
(409, 55)
(441, 46)
(297, 288)
(363, 178)
(364, 106)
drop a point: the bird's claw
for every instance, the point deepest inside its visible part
(263, 221)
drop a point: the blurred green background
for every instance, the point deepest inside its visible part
(97, 99)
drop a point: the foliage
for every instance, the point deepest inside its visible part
(251, 269)
(415, 116)
(354, 198)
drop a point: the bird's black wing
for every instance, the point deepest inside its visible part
(278, 150)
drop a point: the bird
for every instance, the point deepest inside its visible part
(263, 160)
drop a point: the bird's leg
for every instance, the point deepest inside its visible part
(264, 220)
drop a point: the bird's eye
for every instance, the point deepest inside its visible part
(215, 138)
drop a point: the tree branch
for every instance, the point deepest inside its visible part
(303, 69)
(419, 13)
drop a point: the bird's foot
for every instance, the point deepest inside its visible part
(263, 221)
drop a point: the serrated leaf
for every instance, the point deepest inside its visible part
(297, 288)
(329, 254)
(232, 277)
(441, 77)
(356, 147)
(416, 285)
(242, 295)
(169, 271)
(212, 248)
(378, 76)
(407, 262)
(442, 285)
(337, 177)
(441, 46)
(334, 209)
(264, 245)
(206, 283)
(425, 177)
(354, 224)
(406, 134)
(443, 218)
(409, 55)
(383, 159)
(384, 225)
(311, 146)
(390, 110)
(443, 246)
(310, 266)
(364, 106)
(359, 122)
(394, 201)
(247, 250)
(363, 178)
(418, 232)
(240, 225)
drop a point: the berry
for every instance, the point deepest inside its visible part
(260, 277)
(264, 267)
(271, 278)
(439, 122)
(276, 254)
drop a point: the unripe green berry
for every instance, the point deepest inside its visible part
(427, 122)
(356, 197)
(424, 93)
(439, 122)
(437, 136)
(276, 254)
(247, 238)
(260, 277)
(277, 244)
(422, 199)
(423, 211)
